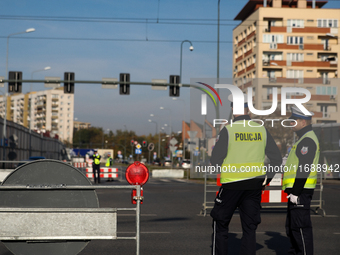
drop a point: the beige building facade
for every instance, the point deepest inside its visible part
(51, 110)
(289, 44)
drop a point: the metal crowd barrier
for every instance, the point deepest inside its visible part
(35, 207)
(272, 197)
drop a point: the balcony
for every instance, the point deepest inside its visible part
(265, 62)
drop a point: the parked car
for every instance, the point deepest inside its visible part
(186, 164)
(157, 162)
(167, 163)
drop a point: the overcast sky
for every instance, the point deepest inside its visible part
(102, 38)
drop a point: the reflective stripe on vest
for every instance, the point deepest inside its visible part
(108, 163)
(246, 152)
(292, 164)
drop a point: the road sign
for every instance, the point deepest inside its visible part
(138, 151)
(173, 141)
(151, 147)
(50, 84)
(173, 148)
(138, 146)
(192, 134)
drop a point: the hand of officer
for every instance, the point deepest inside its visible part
(293, 198)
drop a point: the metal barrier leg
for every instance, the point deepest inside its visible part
(205, 196)
(138, 219)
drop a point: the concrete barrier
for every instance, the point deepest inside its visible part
(168, 173)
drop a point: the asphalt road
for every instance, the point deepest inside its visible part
(171, 223)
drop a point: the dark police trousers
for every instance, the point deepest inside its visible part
(96, 172)
(299, 226)
(226, 202)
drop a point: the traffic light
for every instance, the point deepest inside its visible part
(145, 143)
(132, 142)
(202, 143)
(14, 86)
(174, 90)
(69, 84)
(124, 89)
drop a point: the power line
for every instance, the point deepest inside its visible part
(172, 21)
(109, 39)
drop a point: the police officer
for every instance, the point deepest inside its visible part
(239, 146)
(108, 164)
(96, 166)
(299, 181)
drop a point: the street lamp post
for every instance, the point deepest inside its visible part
(183, 134)
(163, 108)
(159, 136)
(30, 113)
(103, 138)
(125, 143)
(6, 75)
(191, 49)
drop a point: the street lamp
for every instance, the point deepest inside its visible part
(191, 49)
(159, 136)
(103, 138)
(163, 108)
(5, 115)
(183, 134)
(30, 113)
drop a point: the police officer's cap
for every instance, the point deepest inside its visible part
(95, 149)
(298, 114)
(230, 98)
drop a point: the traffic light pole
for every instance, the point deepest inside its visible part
(50, 81)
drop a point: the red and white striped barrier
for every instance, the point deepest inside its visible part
(273, 192)
(105, 172)
(274, 195)
(80, 165)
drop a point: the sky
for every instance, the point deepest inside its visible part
(98, 39)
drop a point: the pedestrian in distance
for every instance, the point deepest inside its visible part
(240, 146)
(109, 162)
(96, 166)
(299, 181)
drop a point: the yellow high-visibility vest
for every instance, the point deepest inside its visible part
(246, 152)
(292, 165)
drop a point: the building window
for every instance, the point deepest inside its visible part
(327, 23)
(326, 90)
(296, 57)
(294, 40)
(323, 109)
(270, 38)
(295, 23)
(291, 74)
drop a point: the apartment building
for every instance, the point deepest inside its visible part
(50, 110)
(77, 125)
(287, 43)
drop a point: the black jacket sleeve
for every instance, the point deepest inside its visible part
(305, 151)
(220, 149)
(274, 155)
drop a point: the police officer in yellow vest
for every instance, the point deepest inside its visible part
(299, 181)
(96, 166)
(240, 152)
(108, 164)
